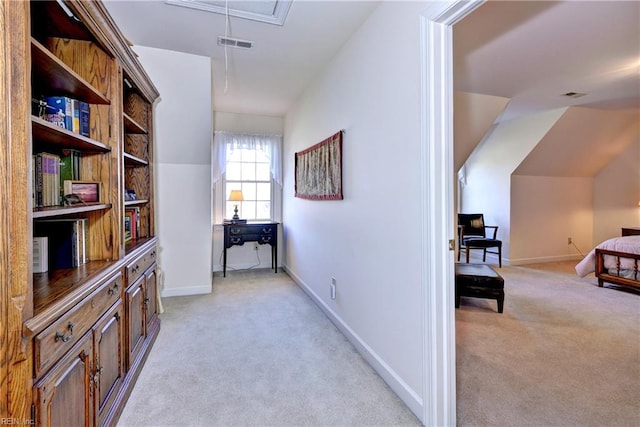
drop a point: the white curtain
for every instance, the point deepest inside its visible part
(269, 144)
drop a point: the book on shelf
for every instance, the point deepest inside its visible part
(128, 221)
(40, 254)
(46, 179)
(68, 113)
(67, 239)
(59, 111)
(69, 166)
(80, 117)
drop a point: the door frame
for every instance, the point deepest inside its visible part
(437, 233)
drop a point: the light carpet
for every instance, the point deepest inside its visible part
(257, 352)
(564, 352)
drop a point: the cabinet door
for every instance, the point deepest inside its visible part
(151, 297)
(135, 320)
(64, 395)
(109, 359)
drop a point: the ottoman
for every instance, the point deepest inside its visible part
(479, 281)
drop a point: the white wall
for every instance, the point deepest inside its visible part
(243, 257)
(545, 211)
(370, 241)
(489, 169)
(616, 194)
(183, 130)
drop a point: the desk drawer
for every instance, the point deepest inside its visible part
(140, 264)
(260, 229)
(60, 336)
(261, 233)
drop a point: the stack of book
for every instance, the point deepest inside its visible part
(49, 173)
(68, 113)
(67, 241)
(131, 223)
(46, 179)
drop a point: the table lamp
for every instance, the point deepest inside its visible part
(236, 196)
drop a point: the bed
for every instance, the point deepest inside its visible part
(615, 261)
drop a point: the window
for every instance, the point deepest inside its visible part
(248, 170)
(250, 163)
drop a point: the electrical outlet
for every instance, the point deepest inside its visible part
(255, 246)
(569, 240)
(333, 288)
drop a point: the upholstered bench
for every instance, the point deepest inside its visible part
(479, 281)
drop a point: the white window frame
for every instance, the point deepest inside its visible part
(219, 179)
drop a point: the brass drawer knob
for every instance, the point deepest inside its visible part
(65, 338)
(113, 289)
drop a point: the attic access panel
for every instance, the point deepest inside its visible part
(267, 11)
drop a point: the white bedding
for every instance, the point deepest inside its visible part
(628, 244)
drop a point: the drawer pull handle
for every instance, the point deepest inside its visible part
(153, 254)
(96, 376)
(265, 239)
(236, 240)
(135, 269)
(266, 230)
(63, 337)
(234, 230)
(146, 301)
(114, 289)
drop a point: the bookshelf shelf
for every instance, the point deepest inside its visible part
(51, 74)
(52, 286)
(139, 202)
(131, 160)
(131, 126)
(44, 131)
(54, 211)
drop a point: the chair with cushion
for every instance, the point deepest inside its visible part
(472, 234)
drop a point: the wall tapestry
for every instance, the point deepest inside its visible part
(319, 170)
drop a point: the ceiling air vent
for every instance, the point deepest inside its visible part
(231, 42)
(573, 94)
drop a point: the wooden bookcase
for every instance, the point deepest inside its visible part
(67, 333)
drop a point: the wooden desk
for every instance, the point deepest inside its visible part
(261, 232)
(631, 231)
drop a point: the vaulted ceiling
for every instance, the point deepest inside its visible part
(531, 54)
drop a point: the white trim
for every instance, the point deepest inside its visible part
(191, 290)
(557, 258)
(409, 396)
(276, 18)
(437, 178)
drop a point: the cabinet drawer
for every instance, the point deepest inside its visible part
(59, 337)
(140, 264)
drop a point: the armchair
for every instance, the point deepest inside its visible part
(472, 234)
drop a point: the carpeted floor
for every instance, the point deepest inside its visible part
(257, 352)
(563, 353)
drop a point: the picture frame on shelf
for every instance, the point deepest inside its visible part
(87, 191)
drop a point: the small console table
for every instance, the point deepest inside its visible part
(236, 234)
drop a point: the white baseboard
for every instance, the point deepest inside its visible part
(413, 401)
(558, 258)
(180, 292)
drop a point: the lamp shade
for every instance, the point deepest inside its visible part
(236, 196)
